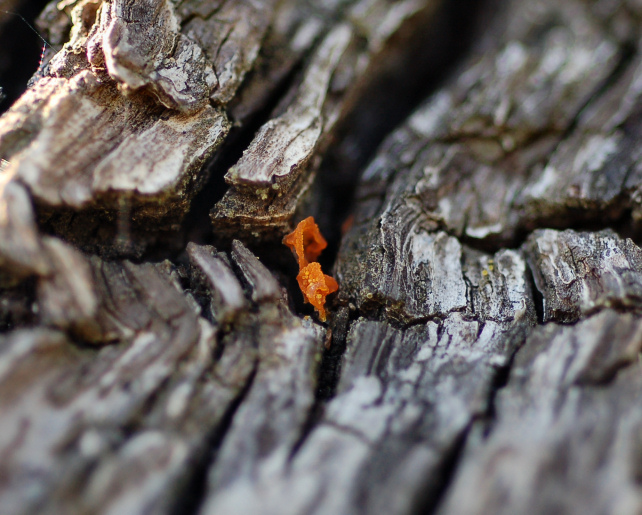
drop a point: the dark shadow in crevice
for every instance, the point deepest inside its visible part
(21, 48)
(436, 494)
(615, 214)
(330, 367)
(16, 305)
(427, 57)
(329, 371)
(429, 500)
(192, 488)
(538, 298)
(197, 225)
(617, 217)
(500, 381)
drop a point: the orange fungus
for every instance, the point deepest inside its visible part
(316, 286)
(307, 243)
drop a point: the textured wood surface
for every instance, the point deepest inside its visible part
(482, 354)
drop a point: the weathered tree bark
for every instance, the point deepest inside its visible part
(482, 352)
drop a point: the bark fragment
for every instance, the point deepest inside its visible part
(567, 413)
(134, 417)
(269, 181)
(480, 155)
(580, 273)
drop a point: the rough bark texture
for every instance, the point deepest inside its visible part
(482, 353)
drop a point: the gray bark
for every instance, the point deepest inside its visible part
(482, 352)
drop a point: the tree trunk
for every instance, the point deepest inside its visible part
(475, 167)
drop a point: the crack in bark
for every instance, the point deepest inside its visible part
(340, 171)
(189, 501)
(197, 222)
(451, 460)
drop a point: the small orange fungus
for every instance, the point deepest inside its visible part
(316, 286)
(307, 243)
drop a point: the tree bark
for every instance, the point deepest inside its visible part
(482, 352)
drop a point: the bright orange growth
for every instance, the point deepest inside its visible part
(307, 243)
(316, 286)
